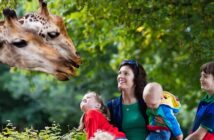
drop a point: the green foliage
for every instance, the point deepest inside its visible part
(49, 133)
(75, 135)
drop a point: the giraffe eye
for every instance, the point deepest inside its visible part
(20, 43)
(53, 34)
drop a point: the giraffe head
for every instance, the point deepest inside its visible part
(52, 29)
(24, 48)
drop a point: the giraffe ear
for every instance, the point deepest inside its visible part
(43, 10)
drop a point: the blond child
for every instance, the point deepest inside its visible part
(153, 96)
(95, 119)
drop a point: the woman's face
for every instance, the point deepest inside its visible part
(125, 78)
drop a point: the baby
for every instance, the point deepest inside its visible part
(153, 97)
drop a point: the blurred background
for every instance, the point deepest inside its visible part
(170, 38)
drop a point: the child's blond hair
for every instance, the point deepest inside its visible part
(150, 87)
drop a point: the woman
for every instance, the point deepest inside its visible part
(128, 112)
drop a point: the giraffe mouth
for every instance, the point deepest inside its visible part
(62, 76)
(65, 73)
(74, 64)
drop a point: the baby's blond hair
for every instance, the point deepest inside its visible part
(102, 135)
(150, 87)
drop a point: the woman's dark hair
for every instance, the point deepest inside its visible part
(139, 76)
(208, 68)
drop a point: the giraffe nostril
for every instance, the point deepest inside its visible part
(1, 43)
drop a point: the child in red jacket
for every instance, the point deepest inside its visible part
(95, 117)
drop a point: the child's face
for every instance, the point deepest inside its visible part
(89, 102)
(207, 82)
(153, 99)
